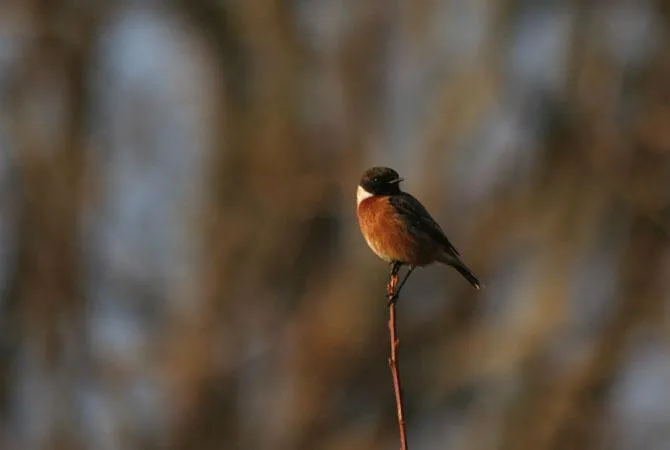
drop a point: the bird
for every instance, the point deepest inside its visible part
(399, 229)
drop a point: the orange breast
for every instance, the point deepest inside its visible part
(388, 235)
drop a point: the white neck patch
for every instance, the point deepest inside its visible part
(361, 194)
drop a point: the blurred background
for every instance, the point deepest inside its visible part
(180, 265)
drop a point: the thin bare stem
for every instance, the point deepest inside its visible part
(393, 360)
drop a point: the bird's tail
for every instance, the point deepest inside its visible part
(459, 265)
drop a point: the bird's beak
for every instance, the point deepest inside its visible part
(397, 180)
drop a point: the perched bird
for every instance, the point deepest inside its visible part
(399, 229)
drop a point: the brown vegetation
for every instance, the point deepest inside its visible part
(180, 265)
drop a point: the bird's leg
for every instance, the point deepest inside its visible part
(395, 268)
(393, 297)
(393, 279)
(404, 280)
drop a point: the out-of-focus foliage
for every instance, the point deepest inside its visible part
(180, 266)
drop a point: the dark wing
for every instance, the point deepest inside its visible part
(420, 221)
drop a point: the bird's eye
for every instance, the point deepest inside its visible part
(375, 180)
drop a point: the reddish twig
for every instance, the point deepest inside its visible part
(393, 359)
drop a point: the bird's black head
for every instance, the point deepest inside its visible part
(381, 181)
